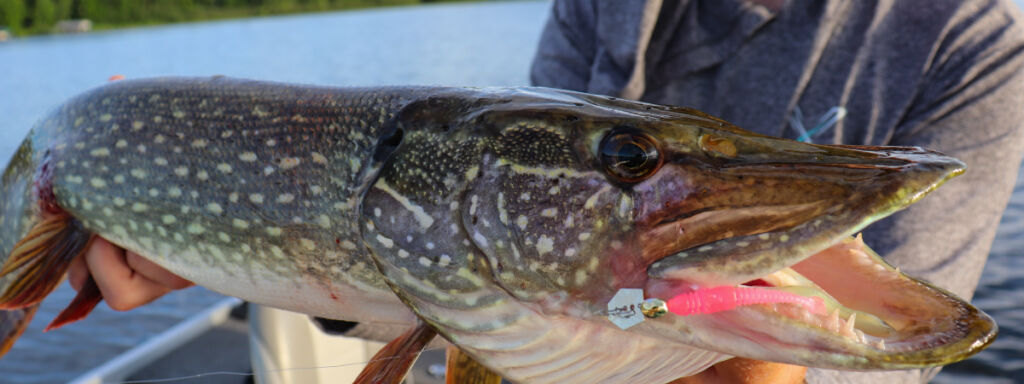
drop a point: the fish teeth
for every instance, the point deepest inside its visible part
(860, 336)
(848, 327)
(832, 322)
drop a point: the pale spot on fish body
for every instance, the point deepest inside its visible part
(100, 152)
(385, 241)
(256, 198)
(247, 156)
(224, 167)
(240, 224)
(195, 228)
(285, 198)
(139, 207)
(318, 158)
(545, 244)
(479, 238)
(522, 222)
(289, 163)
(348, 245)
(278, 253)
(214, 208)
(274, 231)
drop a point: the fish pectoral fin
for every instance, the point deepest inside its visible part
(80, 306)
(12, 324)
(392, 363)
(43, 256)
(461, 368)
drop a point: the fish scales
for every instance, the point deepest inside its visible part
(505, 219)
(224, 175)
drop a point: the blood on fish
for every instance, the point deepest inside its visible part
(718, 299)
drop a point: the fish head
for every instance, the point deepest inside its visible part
(569, 198)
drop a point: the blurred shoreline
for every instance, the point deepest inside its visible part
(23, 18)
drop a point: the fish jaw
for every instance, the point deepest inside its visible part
(749, 219)
(899, 322)
(798, 240)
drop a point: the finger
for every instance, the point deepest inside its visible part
(78, 271)
(155, 272)
(122, 288)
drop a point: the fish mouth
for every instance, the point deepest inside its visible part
(874, 317)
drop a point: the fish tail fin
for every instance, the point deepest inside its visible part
(83, 303)
(42, 256)
(12, 324)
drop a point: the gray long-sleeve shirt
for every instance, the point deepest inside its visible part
(941, 74)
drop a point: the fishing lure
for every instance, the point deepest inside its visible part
(700, 301)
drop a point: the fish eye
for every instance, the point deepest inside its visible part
(628, 155)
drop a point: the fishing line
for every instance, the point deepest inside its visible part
(265, 371)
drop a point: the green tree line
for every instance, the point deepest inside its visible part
(39, 16)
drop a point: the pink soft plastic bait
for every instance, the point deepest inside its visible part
(718, 299)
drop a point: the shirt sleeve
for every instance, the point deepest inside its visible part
(970, 105)
(566, 50)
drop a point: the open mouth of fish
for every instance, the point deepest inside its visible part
(872, 317)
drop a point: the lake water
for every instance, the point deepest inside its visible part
(488, 44)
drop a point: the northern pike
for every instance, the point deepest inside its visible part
(505, 220)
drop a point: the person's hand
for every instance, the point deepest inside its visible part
(741, 370)
(125, 279)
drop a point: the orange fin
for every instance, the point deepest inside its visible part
(12, 324)
(84, 302)
(392, 363)
(42, 256)
(461, 368)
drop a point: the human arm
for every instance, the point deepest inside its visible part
(125, 279)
